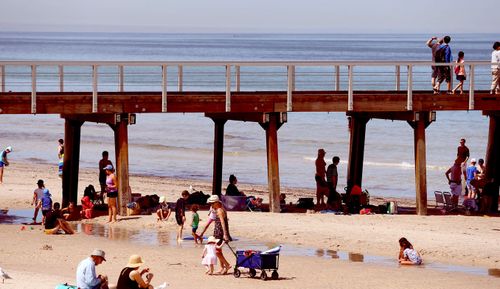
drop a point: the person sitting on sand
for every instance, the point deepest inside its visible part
(86, 277)
(54, 222)
(231, 189)
(71, 213)
(164, 210)
(408, 255)
(131, 276)
(87, 208)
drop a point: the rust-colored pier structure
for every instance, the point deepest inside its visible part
(274, 89)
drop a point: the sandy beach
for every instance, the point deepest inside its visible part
(32, 257)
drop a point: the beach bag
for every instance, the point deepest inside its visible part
(457, 69)
(305, 203)
(440, 54)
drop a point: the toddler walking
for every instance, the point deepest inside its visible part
(209, 257)
(194, 224)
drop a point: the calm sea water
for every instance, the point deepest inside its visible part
(180, 145)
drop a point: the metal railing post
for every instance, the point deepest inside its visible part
(120, 78)
(164, 88)
(2, 78)
(94, 88)
(33, 89)
(350, 96)
(471, 87)
(238, 78)
(228, 88)
(398, 78)
(290, 86)
(337, 77)
(61, 78)
(179, 78)
(409, 101)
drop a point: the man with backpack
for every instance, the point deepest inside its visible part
(443, 55)
(434, 43)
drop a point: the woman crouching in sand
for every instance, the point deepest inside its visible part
(408, 255)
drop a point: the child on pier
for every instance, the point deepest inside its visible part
(209, 257)
(408, 255)
(460, 73)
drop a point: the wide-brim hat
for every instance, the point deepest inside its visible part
(108, 168)
(99, 253)
(212, 239)
(135, 261)
(162, 199)
(213, 199)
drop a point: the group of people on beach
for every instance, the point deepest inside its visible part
(469, 176)
(441, 53)
(326, 181)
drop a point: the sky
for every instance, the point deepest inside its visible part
(251, 16)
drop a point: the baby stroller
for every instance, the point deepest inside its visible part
(267, 260)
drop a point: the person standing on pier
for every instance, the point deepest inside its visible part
(433, 43)
(495, 69)
(321, 185)
(460, 73)
(443, 55)
(4, 161)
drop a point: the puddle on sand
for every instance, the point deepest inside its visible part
(153, 237)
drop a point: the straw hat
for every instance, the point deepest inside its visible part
(162, 199)
(212, 239)
(213, 199)
(135, 261)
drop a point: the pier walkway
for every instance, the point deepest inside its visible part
(263, 92)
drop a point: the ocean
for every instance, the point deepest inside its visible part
(181, 145)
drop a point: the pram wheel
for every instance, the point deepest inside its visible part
(237, 273)
(263, 275)
(275, 275)
(253, 273)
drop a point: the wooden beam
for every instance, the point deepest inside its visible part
(71, 161)
(218, 155)
(273, 177)
(238, 116)
(420, 163)
(109, 118)
(122, 166)
(357, 125)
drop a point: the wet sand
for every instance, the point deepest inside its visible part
(462, 240)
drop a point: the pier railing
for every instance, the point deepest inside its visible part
(349, 77)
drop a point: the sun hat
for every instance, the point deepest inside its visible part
(99, 253)
(212, 239)
(135, 261)
(473, 160)
(39, 182)
(213, 199)
(9, 148)
(46, 192)
(163, 199)
(108, 168)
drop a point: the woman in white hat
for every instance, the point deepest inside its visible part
(131, 276)
(4, 161)
(112, 192)
(164, 211)
(221, 230)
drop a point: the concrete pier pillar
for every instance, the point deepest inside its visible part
(218, 155)
(122, 166)
(356, 149)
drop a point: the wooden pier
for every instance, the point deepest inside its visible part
(269, 107)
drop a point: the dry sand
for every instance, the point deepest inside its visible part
(456, 240)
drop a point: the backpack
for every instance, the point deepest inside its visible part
(440, 54)
(457, 69)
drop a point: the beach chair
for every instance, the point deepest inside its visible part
(439, 199)
(449, 206)
(234, 203)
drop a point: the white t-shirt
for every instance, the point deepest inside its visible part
(39, 194)
(412, 255)
(495, 58)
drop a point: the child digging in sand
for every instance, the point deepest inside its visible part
(408, 255)
(209, 257)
